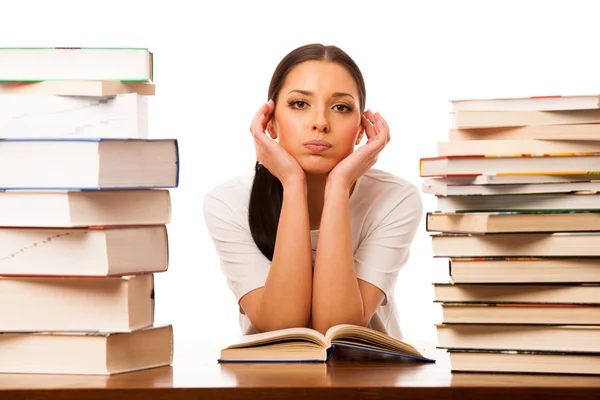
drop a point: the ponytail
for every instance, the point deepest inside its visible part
(264, 209)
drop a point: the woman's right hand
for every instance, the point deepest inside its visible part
(269, 153)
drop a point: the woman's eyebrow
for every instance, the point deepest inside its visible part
(309, 93)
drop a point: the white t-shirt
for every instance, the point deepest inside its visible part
(385, 213)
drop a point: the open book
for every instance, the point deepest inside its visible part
(308, 345)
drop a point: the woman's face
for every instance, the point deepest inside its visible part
(318, 101)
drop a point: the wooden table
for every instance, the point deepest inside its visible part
(196, 375)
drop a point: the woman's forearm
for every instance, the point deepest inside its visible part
(336, 294)
(286, 300)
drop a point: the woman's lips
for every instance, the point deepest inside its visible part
(317, 146)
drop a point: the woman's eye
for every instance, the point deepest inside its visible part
(342, 108)
(299, 104)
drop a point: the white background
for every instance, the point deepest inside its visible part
(213, 63)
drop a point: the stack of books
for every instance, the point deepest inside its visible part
(84, 204)
(518, 217)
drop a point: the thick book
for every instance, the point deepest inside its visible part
(534, 362)
(529, 103)
(505, 222)
(564, 338)
(584, 164)
(584, 294)
(533, 202)
(83, 252)
(86, 353)
(521, 313)
(50, 116)
(539, 132)
(493, 119)
(438, 188)
(563, 244)
(497, 180)
(525, 270)
(76, 63)
(309, 345)
(78, 88)
(509, 147)
(84, 208)
(66, 164)
(63, 304)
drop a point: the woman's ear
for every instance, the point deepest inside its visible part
(271, 130)
(361, 133)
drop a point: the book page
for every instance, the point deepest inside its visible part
(368, 338)
(290, 334)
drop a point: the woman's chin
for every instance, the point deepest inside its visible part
(314, 169)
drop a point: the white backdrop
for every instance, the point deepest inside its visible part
(213, 63)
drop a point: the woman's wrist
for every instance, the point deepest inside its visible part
(296, 185)
(337, 187)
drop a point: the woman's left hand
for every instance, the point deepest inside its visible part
(356, 164)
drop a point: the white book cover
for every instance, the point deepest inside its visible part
(50, 116)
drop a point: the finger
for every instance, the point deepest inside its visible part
(253, 123)
(383, 134)
(261, 111)
(370, 116)
(268, 115)
(255, 127)
(378, 117)
(261, 139)
(269, 111)
(271, 106)
(384, 125)
(369, 129)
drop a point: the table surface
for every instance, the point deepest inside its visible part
(196, 374)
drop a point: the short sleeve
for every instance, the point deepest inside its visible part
(242, 262)
(385, 250)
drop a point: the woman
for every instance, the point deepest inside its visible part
(314, 237)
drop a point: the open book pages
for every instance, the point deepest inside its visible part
(305, 344)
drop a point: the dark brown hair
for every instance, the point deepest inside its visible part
(266, 196)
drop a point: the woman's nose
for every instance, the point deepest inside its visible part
(321, 127)
(321, 124)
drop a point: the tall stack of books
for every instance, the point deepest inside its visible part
(84, 204)
(518, 216)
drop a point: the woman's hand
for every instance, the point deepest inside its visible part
(269, 153)
(356, 164)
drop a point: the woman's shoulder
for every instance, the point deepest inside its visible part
(380, 183)
(380, 193)
(232, 189)
(229, 199)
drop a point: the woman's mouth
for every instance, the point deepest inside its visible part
(317, 146)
